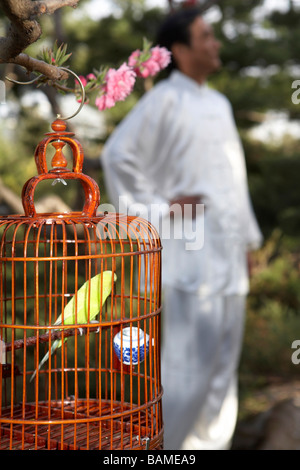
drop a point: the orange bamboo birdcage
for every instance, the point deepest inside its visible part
(84, 396)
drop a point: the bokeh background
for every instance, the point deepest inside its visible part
(261, 77)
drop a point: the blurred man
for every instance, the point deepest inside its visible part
(178, 151)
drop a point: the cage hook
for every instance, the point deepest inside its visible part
(82, 101)
(82, 90)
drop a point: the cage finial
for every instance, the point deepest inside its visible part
(59, 160)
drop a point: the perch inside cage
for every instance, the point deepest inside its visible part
(79, 320)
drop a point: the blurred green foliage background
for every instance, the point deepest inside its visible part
(261, 60)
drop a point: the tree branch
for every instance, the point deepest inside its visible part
(50, 6)
(25, 30)
(35, 65)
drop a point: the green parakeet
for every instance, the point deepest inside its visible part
(93, 293)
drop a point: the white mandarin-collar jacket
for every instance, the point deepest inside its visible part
(181, 139)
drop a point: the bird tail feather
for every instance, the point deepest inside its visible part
(54, 346)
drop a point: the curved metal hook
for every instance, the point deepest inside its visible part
(68, 71)
(82, 94)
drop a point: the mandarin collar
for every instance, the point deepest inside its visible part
(181, 79)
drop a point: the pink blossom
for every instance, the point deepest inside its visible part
(133, 59)
(91, 76)
(149, 68)
(84, 80)
(162, 56)
(159, 59)
(104, 102)
(120, 82)
(118, 85)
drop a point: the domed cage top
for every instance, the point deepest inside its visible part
(80, 305)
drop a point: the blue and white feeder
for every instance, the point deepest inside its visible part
(129, 345)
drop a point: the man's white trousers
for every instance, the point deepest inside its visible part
(202, 340)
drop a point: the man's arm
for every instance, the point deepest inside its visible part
(129, 152)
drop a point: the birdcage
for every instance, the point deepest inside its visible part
(79, 319)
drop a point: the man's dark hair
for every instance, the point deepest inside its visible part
(175, 29)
